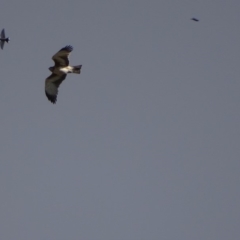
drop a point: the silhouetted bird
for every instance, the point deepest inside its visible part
(59, 72)
(195, 19)
(3, 39)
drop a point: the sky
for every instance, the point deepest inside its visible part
(144, 143)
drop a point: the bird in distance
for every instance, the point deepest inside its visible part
(195, 19)
(3, 39)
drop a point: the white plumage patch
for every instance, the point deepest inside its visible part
(67, 69)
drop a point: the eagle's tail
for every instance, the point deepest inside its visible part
(77, 69)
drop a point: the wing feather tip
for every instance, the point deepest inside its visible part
(68, 48)
(51, 98)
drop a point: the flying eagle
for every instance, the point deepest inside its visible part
(3, 39)
(59, 72)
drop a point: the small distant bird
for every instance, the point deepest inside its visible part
(195, 19)
(59, 72)
(3, 39)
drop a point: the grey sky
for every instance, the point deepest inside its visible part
(144, 144)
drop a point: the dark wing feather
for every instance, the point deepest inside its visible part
(52, 84)
(3, 34)
(61, 57)
(2, 43)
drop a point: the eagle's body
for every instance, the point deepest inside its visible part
(3, 39)
(59, 72)
(66, 70)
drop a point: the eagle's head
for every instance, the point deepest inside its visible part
(51, 69)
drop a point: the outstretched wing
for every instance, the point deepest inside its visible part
(3, 34)
(2, 43)
(51, 86)
(61, 57)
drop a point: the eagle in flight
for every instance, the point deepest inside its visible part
(59, 72)
(3, 39)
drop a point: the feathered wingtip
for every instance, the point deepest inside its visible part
(51, 98)
(68, 48)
